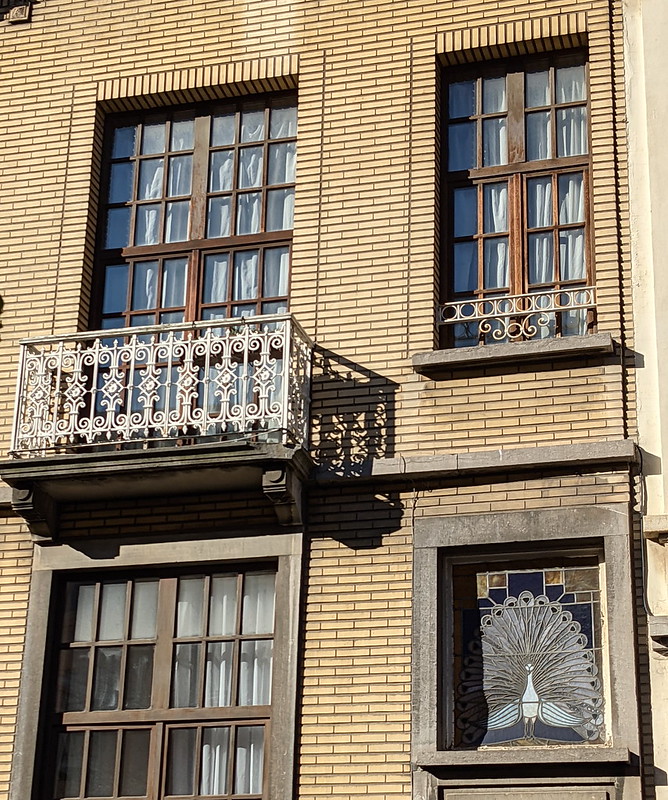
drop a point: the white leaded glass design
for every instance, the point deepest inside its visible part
(528, 647)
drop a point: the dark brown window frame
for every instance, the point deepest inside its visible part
(516, 172)
(194, 249)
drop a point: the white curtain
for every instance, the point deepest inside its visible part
(280, 209)
(495, 142)
(189, 607)
(180, 175)
(176, 228)
(572, 131)
(258, 603)
(148, 225)
(222, 170)
(245, 278)
(255, 671)
(541, 245)
(282, 160)
(145, 285)
(495, 220)
(218, 223)
(215, 743)
(218, 683)
(150, 179)
(249, 760)
(248, 213)
(276, 263)
(539, 141)
(250, 167)
(283, 122)
(174, 282)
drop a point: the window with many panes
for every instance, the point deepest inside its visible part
(164, 687)
(197, 213)
(517, 192)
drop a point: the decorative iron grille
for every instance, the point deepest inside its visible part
(534, 315)
(232, 379)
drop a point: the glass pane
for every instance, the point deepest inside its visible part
(215, 743)
(180, 175)
(214, 289)
(214, 313)
(493, 95)
(218, 684)
(282, 163)
(101, 763)
(461, 99)
(120, 182)
(574, 322)
(276, 263)
(222, 130)
(73, 679)
(572, 254)
(153, 140)
(144, 610)
(182, 134)
(106, 679)
(465, 266)
(280, 209)
(249, 760)
(539, 202)
(118, 228)
(148, 225)
(244, 279)
(496, 263)
(572, 131)
(174, 282)
(176, 228)
(218, 218)
(465, 207)
(250, 167)
(571, 198)
(84, 625)
(134, 763)
(181, 761)
(283, 122)
(248, 213)
(138, 676)
(221, 171)
(494, 142)
(258, 603)
(124, 142)
(275, 307)
(68, 764)
(541, 258)
(571, 84)
(537, 89)
(223, 605)
(248, 310)
(189, 615)
(115, 289)
(145, 285)
(461, 146)
(255, 673)
(112, 611)
(539, 141)
(150, 179)
(170, 317)
(252, 126)
(184, 676)
(495, 207)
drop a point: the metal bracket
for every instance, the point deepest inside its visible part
(284, 490)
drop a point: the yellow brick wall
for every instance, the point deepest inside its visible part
(363, 285)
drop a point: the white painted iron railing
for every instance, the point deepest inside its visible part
(523, 316)
(224, 380)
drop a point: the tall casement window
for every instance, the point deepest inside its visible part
(164, 687)
(197, 213)
(517, 260)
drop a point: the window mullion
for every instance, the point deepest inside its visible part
(200, 178)
(162, 666)
(517, 226)
(515, 94)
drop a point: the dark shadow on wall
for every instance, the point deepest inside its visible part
(353, 410)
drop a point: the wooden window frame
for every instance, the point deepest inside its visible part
(516, 172)
(198, 245)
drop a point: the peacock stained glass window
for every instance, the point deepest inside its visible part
(527, 655)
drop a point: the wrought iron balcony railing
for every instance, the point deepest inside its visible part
(224, 380)
(533, 315)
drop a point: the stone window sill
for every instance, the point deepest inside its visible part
(440, 363)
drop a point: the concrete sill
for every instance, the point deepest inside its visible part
(524, 756)
(440, 363)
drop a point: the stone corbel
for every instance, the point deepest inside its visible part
(658, 634)
(38, 510)
(16, 11)
(284, 490)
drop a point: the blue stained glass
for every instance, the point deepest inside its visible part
(498, 595)
(470, 624)
(567, 598)
(485, 602)
(582, 614)
(554, 591)
(519, 582)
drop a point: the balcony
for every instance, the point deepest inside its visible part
(129, 407)
(518, 329)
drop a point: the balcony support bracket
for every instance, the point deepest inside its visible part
(39, 510)
(284, 490)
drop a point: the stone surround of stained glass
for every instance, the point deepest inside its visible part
(527, 654)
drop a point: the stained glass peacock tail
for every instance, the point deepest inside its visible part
(529, 672)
